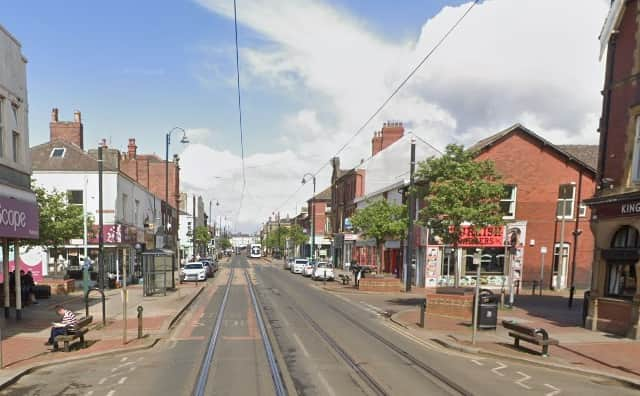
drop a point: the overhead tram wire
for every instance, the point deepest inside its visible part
(393, 93)
(244, 179)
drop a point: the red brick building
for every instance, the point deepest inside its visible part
(542, 180)
(320, 204)
(614, 305)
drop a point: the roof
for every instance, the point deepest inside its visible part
(74, 159)
(324, 195)
(583, 155)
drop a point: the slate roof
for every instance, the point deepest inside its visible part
(324, 195)
(584, 155)
(74, 159)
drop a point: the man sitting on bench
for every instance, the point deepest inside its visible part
(60, 328)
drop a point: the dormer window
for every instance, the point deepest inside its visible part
(58, 152)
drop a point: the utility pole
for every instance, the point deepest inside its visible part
(85, 266)
(193, 219)
(313, 213)
(477, 260)
(412, 207)
(100, 222)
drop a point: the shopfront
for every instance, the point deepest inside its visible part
(615, 299)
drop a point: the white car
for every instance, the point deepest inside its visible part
(194, 271)
(308, 268)
(288, 263)
(323, 271)
(298, 266)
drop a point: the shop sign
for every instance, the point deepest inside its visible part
(619, 209)
(111, 233)
(19, 219)
(348, 224)
(350, 237)
(489, 236)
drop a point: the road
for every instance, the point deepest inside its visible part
(324, 344)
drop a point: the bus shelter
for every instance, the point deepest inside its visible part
(157, 265)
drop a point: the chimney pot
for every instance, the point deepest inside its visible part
(132, 148)
(54, 115)
(77, 116)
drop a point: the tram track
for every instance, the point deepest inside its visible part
(200, 387)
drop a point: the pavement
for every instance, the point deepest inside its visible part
(23, 346)
(580, 349)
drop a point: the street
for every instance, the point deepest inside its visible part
(325, 345)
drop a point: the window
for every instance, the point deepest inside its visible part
(74, 197)
(15, 145)
(582, 209)
(57, 152)
(625, 238)
(508, 202)
(556, 257)
(14, 112)
(125, 198)
(621, 275)
(492, 261)
(566, 197)
(635, 165)
(136, 213)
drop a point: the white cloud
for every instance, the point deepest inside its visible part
(509, 61)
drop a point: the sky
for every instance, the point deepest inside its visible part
(312, 72)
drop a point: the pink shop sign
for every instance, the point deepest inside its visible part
(18, 219)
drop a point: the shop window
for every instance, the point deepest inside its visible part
(492, 261)
(621, 280)
(556, 256)
(625, 237)
(635, 166)
(566, 200)
(508, 202)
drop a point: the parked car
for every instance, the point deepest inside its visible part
(194, 271)
(298, 266)
(288, 263)
(323, 270)
(209, 267)
(308, 268)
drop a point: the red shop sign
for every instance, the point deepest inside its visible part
(489, 236)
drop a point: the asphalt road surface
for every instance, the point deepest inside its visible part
(324, 344)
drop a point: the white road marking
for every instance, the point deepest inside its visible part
(554, 392)
(89, 393)
(113, 370)
(525, 377)
(477, 362)
(102, 381)
(122, 380)
(124, 359)
(111, 392)
(500, 367)
(304, 350)
(132, 369)
(173, 344)
(325, 383)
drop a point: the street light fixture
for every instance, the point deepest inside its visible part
(313, 212)
(184, 140)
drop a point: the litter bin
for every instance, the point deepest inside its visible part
(487, 310)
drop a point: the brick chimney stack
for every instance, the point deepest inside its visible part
(132, 148)
(391, 132)
(68, 131)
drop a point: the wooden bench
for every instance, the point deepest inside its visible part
(77, 331)
(535, 336)
(345, 279)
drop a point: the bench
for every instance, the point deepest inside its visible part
(535, 336)
(345, 279)
(77, 331)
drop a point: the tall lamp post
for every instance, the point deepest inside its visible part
(166, 188)
(313, 212)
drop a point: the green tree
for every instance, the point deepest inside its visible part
(381, 220)
(225, 243)
(277, 238)
(459, 189)
(201, 237)
(60, 221)
(297, 236)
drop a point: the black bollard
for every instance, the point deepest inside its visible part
(571, 292)
(423, 310)
(140, 309)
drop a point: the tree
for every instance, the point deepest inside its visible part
(381, 220)
(201, 237)
(60, 221)
(276, 239)
(225, 243)
(297, 236)
(459, 189)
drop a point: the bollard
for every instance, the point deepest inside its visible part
(571, 292)
(423, 311)
(140, 321)
(533, 288)
(1, 361)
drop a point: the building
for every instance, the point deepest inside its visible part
(18, 208)
(543, 180)
(192, 215)
(319, 210)
(614, 304)
(131, 213)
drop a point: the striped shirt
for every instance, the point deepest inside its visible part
(69, 318)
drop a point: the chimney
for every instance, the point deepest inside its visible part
(132, 148)
(391, 132)
(67, 131)
(103, 143)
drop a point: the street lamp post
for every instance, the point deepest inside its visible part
(166, 189)
(313, 213)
